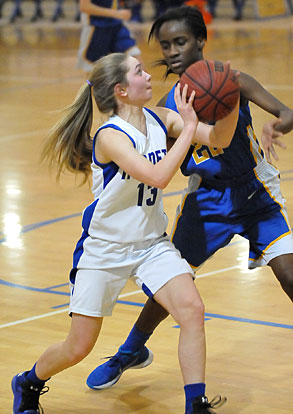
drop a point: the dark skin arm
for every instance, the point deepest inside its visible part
(252, 90)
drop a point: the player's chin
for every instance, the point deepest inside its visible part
(147, 97)
(149, 93)
(177, 69)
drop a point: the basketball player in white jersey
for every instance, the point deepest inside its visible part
(124, 228)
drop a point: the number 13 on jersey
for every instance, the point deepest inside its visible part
(146, 194)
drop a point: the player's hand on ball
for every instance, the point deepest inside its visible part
(185, 105)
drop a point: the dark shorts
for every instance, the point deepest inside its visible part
(210, 217)
(96, 42)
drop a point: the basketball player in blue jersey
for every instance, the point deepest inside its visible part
(247, 185)
(103, 32)
(124, 228)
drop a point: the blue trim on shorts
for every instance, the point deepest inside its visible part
(147, 291)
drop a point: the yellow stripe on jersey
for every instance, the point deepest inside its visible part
(255, 148)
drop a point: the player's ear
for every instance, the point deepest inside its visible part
(120, 90)
(201, 43)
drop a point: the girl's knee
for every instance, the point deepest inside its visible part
(192, 311)
(198, 309)
(77, 355)
(78, 351)
(197, 306)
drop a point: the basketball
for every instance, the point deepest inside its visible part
(216, 89)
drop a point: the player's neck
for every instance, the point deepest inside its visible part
(133, 115)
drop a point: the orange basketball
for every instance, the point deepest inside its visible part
(216, 89)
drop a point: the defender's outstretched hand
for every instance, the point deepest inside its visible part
(269, 138)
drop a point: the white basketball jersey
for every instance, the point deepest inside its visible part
(126, 210)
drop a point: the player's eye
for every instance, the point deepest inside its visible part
(138, 70)
(164, 46)
(181, 42)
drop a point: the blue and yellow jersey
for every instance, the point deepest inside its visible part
(224, 165)
(104, 21)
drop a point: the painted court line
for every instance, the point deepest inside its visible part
(23, 135)
(139, 304)
(45, 315)
(58, 292)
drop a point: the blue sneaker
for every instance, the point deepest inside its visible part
(107, 374)
(201, 405)
(26, 395)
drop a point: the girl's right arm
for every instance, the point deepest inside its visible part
(115, 146)
(89, 8)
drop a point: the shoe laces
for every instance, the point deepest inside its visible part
(30, 397)
(216, 402)
(113, 360)
(121, 359)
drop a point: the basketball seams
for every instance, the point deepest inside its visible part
(211, 76)
(226, 105)
(228, 94)
(198, 84)
(223, 82)
(207, 92)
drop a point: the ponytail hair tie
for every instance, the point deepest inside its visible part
(89, 82)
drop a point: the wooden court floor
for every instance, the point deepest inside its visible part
(249, 319)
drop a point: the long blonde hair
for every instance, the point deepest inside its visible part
(69, 143)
